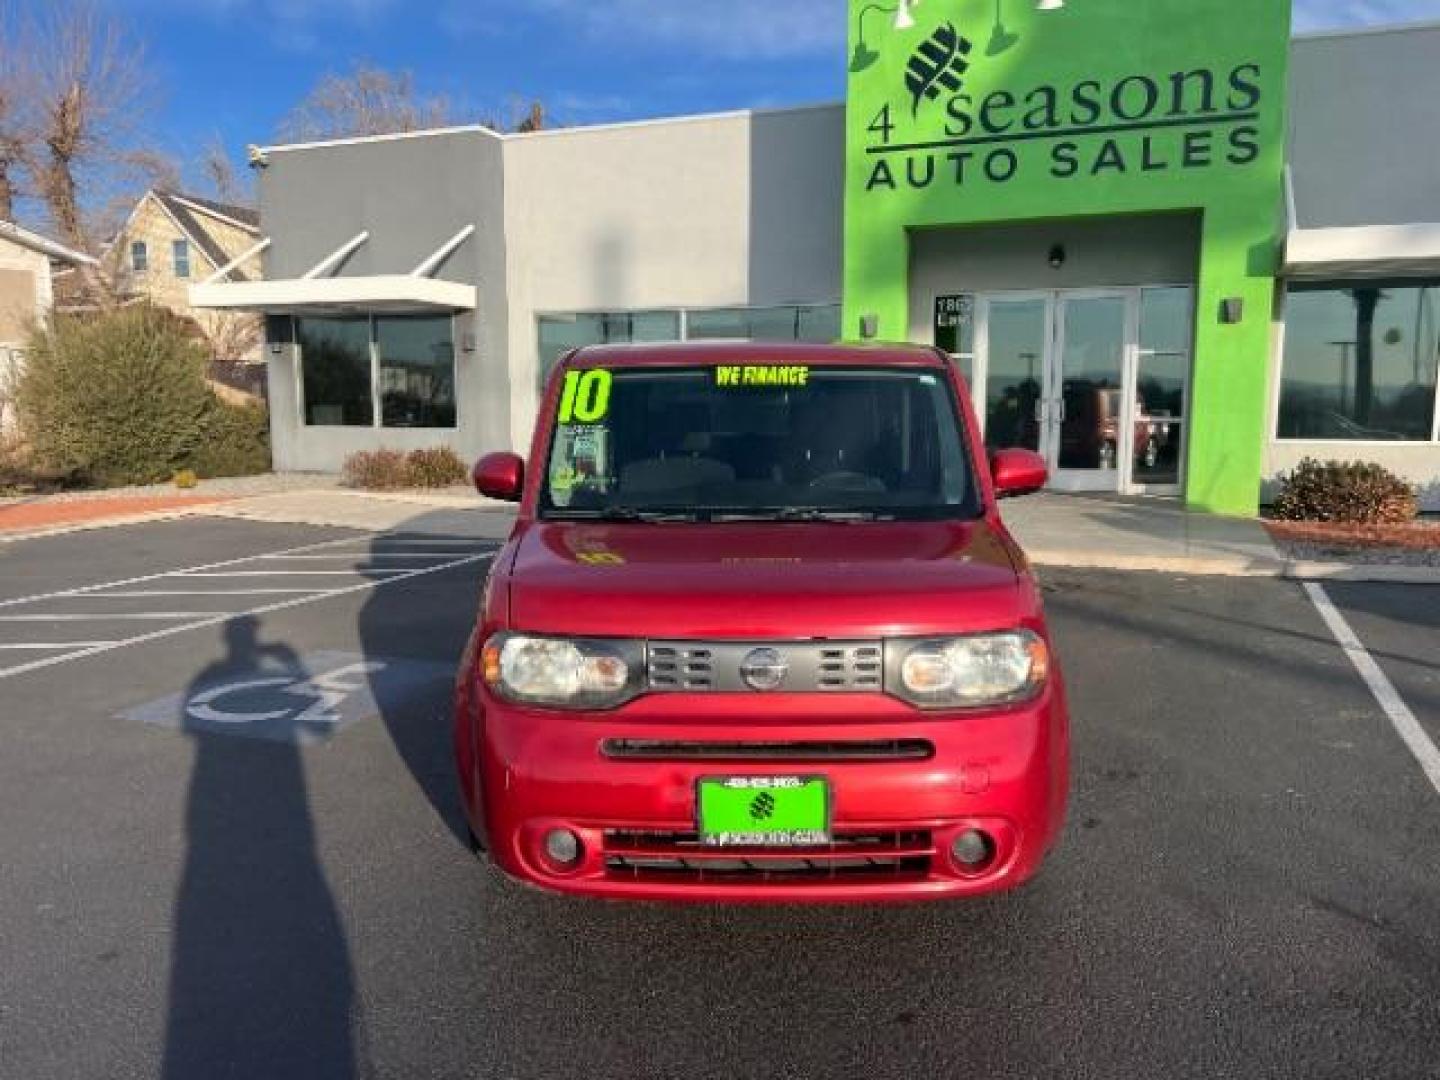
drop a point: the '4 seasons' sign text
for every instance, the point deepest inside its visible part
(1197, 118)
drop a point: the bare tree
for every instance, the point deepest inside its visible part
(15, 135)
(521, 117)
(233, 336)
(220, 175)
(81, 84)
(367, 101)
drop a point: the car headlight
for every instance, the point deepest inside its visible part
(568, 673)
(966, 672)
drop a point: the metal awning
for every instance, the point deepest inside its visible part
(1366, 251)
(379, 293)
(317, 293)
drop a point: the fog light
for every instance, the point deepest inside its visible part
(562, 847)
(972, 850)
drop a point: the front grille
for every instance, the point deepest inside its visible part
(681, 667)
(796, 752)
(851, 668)
(681, 857)
(833, 667)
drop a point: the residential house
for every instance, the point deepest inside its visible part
(173, 240)
(30, 265)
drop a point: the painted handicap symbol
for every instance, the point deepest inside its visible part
(309, 699)
(325, 694)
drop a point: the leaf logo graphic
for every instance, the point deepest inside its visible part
(938, 64)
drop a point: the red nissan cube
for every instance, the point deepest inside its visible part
(759, 634)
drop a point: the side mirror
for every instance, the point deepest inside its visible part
(500, 476)
(1018, 472)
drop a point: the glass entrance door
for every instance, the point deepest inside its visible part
(1162, 390)
(1096, 381)
(1017, 356)
(1087, 410)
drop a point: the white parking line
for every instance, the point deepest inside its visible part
(283, 573)
(224, 617)
(51, 646)
(99, 616)
(373, 555)
(1403, 720)
(87, 589)
(198, 592)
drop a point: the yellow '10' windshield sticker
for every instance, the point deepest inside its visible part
(761, 375)
(585, 398)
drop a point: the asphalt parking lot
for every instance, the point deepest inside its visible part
(230, 847)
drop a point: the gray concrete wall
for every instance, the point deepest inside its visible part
(412, 195)
(1160, 249)
(707, 212)
(1365, 127)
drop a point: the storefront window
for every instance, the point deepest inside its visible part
(561, 333)
(417, 371)
(335, 364)
(1360, 362)
(819, 323)
(796, 322)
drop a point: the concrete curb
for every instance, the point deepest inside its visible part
(148, 518)
(1198, 566)
(1377, 573)
(1213, 566)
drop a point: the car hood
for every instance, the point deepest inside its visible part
(762, 581)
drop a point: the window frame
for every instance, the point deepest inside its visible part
(180, 255)
(974, 496)
(377, 419)
(1288, 288)
(139, 265)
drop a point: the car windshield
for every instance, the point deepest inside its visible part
(758, 442)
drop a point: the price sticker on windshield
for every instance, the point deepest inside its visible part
(585, 398)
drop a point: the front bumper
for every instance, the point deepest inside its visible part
(1004, 773)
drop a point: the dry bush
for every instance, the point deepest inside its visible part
(1353, 492)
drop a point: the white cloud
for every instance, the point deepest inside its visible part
(1323, 14)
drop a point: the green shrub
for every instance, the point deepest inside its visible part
(437, 467)
(376, 470)
(118, 397)
(237, 441)
(1345, 492)
(185, 479)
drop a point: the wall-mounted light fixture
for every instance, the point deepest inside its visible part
(1058, 255)
(865, 56)
(1001, 38)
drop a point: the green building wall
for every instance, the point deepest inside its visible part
(991, 111)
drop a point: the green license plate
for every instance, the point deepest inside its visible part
(764, 811)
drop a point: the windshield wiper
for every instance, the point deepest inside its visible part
(626, 514)
(806, 514)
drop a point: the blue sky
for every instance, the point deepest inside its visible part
(232, 68)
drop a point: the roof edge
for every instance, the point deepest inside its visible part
(511, 136)
(1366, 31)
(43, 244)
(394, 136)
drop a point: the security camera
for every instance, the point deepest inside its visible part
(257, 157)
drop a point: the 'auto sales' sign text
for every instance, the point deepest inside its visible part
(1198, 118)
